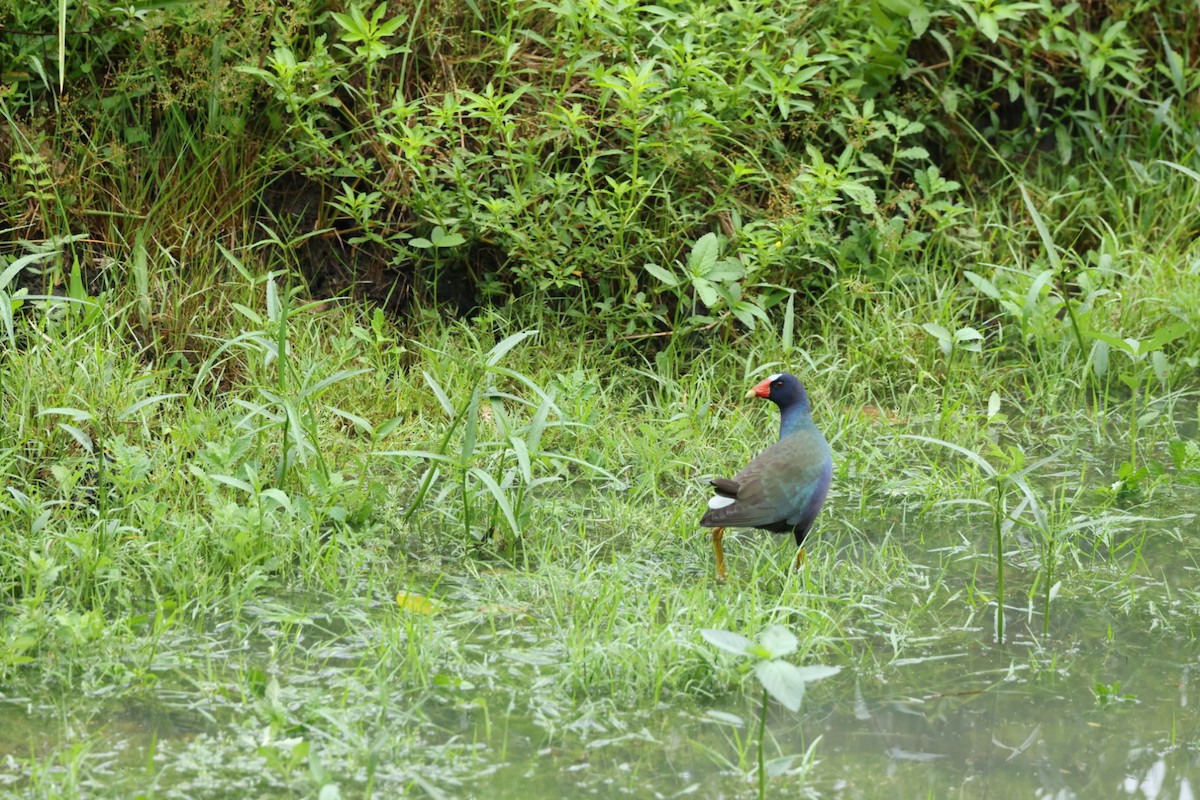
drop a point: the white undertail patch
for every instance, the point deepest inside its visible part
(720, 502)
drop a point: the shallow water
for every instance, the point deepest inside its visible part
(294, 693)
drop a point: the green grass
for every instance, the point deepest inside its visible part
(199, 578)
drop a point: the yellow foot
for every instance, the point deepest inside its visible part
(800, 558)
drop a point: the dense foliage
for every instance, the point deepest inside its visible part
(579, 152)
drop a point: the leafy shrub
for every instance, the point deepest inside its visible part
(557, 149)
(588, 143)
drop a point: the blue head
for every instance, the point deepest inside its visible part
(786, 391)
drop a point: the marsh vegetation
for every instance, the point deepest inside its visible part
(362, 373)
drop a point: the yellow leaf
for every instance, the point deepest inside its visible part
(416, 603)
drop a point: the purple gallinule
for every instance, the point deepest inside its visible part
(784, 487)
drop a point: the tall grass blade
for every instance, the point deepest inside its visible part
(508, 343)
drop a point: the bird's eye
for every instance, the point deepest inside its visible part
(777, 383)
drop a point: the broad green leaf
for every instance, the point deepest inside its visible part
(78, 435)
(939, 331)
(1112, 340)
(782, 681)
(74, 413)
(945, 339)
(146, 401)
(1166, 334)
(279, 497)
(728, 641)
(708, 292)
(789, 323)
(522, 452)
(527, 381)
(1179, 167)
(325, 383)
(704, 255)
(441, 396)
(249, 313)
(982, 284)
(274, 304)
(470, 430)
(744, 314)
(1040, 224)
(1034, 295)
(816, 672)
(236, 483)
(537, 425)
(919, 19)
(425, 454)
(975, 458)
(440, 238)
(21, 263)
(778, 641)
(663, 275)
(989, 27)
(7, 306)
(1179, 454)
(361, 423)
(508, 343)
(1160, 365)
(297, 428)
(387, 427)
(727, 269)
(617, 482)
(969, 339)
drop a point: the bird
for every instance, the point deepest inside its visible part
(784, 487)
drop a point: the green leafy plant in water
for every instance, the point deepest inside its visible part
(779, 679)
(1039, 304)
(1146, 361)
(1012, 473)
(1185, 458)
(1109, 694)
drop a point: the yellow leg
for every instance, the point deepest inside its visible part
(717, 535)
(800, 558)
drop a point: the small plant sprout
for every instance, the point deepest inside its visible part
(1109, 694)
(779, 679)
